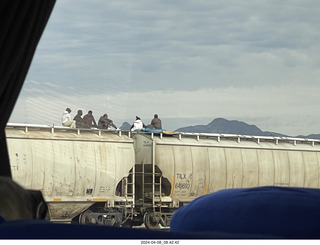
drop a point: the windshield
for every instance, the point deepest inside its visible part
(187, 61)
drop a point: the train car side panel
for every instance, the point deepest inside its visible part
(105, 177)
(200, 175)
(266, 167)
(296, 168)
(85, 166)
(165, 162)
(124, 160)
(218, 169)
(42, 167)
(234, 167)
(106, 172)
(65, 169)
(183, 172)
(311, 167)
(250, 168)
(281, 168)
(20, 158)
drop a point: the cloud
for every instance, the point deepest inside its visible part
(172, 41)
(185, 60)
(270, 108)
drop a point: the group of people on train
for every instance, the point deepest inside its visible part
(88, 121)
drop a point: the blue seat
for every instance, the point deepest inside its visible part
(281, 212)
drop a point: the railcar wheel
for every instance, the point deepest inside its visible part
(83, 217)
(150, 221)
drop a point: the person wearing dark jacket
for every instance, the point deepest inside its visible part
(105, 123)
(79, 120)
(88, 121)
(156, 122)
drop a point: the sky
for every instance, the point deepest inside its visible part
(189, 61)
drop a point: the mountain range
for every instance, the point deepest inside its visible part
(224, 126)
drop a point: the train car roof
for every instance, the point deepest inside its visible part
(234, 140)
(39, 131)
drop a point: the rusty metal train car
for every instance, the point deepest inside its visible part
(130, 178)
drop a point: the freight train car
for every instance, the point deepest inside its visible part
(130, 178)
(188, 165)
(81, 175)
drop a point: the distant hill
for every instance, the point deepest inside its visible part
(223, 126)
(311, 136)
(125, 126)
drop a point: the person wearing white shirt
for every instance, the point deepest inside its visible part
(66, 119)
(137, 125)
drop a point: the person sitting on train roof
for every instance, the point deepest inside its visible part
(66, 119)
(155, 123)
(137, 125)
(88, 121)
(78, 119)
(105, 123)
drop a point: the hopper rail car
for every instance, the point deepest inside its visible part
(125, 178)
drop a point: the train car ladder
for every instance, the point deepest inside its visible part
(150, 183)
(130, 194)
(156, 183)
